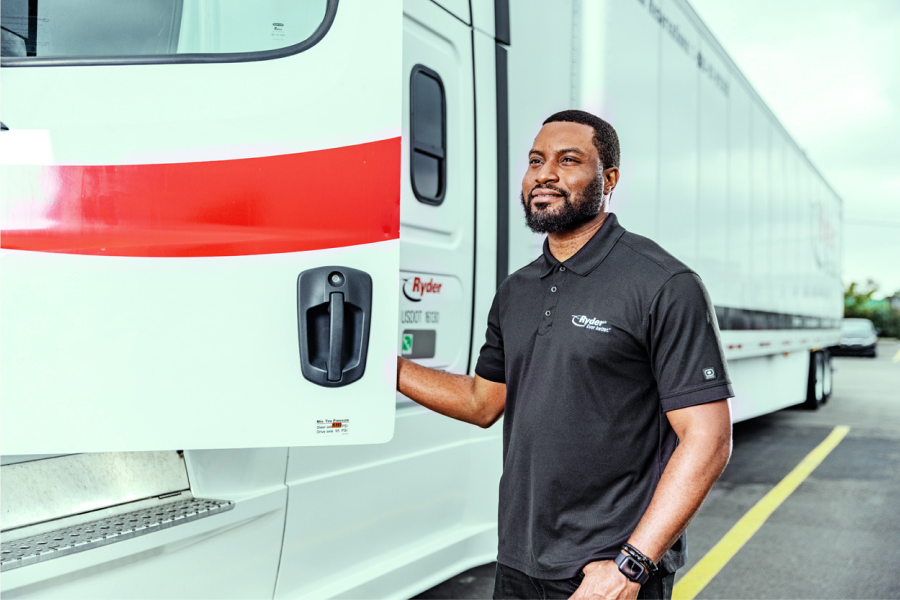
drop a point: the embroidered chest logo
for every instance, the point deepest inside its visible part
(589, 323)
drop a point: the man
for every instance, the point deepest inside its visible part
(599, 353)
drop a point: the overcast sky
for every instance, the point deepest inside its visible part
(830, 70)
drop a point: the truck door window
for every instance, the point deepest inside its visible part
(428, 146)
(113, 28)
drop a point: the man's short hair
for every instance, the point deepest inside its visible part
(605, 138)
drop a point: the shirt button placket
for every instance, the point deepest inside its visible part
(551, 298)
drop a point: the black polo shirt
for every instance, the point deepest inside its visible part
(593, 352)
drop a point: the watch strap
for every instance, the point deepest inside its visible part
(640, 557)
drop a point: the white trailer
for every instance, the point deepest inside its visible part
(168, 175)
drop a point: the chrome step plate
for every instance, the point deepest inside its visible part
(77, 538)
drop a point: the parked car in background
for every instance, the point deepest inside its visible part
(858, 338)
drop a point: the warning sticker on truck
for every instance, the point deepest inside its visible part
(332, 426)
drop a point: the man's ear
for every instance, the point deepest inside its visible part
(610, 179)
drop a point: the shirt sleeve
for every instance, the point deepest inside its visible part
(491, 363)
(685, 349)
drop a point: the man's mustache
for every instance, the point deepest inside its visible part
(547, 186)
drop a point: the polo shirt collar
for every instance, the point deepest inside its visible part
(591, 254)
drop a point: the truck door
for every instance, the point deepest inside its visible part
(200, 223)
(437, 218)
(412, 513)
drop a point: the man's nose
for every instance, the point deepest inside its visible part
(546, 173)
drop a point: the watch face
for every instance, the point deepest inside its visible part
(631, 568)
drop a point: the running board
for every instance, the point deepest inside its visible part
(93, 534)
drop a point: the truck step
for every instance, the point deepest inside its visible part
(93, 534)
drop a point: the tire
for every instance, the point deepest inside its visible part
(815, 387)
(828, 382)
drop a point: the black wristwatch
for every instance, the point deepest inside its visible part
(632, 569)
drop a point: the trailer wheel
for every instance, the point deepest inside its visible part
(828, 372)
(815, 388)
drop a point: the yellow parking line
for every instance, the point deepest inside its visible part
(897, 356)
(709, 566)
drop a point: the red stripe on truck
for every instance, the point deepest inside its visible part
(309, 201)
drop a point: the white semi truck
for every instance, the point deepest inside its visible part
(222, 220)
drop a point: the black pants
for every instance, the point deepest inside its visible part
(510, 583)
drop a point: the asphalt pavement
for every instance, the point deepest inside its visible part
(837, 535)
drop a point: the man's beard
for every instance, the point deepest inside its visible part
(569, 215)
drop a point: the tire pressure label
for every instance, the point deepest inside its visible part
(332, 426)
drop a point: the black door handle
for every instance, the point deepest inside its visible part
(334, 313)
(335, 336)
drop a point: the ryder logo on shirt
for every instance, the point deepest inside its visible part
(589, 323)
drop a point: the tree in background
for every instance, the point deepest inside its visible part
(885, 314)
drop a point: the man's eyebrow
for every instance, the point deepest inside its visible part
(572, 151)
(538, 152)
